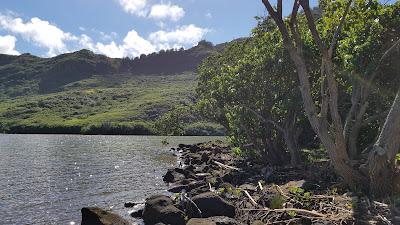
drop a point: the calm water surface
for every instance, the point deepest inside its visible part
(47, 179)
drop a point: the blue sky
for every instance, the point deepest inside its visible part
(120, 28)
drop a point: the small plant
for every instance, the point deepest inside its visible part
(277, 202)
(292, 214)
(237, 151)
(221, 191)
(296, 190)
(177, 197)
(301, 195)
(213, 181)
(333, 191)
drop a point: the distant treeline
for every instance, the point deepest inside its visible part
(101, 129)
(140, 128)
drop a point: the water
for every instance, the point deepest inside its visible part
(47, 179)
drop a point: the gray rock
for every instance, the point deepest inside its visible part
(97, 216)
(211, 205)
(218, 220)
(160, 209)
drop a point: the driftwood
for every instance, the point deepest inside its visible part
(260, 185)
(226, 166)
(298, 211)
(251, 198)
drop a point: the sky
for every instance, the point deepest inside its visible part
(122, 28)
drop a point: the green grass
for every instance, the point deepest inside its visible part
(113, 100)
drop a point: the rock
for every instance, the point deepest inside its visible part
(258, 222)
(160, 208)
(137, 214)
(129, 204)
(178, 189)
(169, 177)
(187, 184)
(218, 220)
(211, 205)
(248, 187)
(172, 176)
(205, 157)
(194, 148)
(195, 159)
(97, 216)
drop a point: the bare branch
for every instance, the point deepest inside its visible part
(294, 26)
(279, 8)
(311, 25)
(339, 29)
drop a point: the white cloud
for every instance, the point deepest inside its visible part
(45, 35)
(7, 45)
(133, 45)
(166, 11)
(40, 32)
(209, 15)
(136, 7)
(182, 36)
(111, 50)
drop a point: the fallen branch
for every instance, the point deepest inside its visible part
(226, 166)
(251, 198)
(260, 185)
(298, 211)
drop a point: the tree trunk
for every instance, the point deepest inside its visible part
(293, 147)
(381, 161)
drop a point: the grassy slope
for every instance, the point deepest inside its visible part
(127, 100)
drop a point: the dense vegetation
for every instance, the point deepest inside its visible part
(86, 93)
(318, 79)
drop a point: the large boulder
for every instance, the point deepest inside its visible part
(160, 209)
(211, 205)
(97, 216)
(217, 220)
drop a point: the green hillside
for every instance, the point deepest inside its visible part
(86, 93)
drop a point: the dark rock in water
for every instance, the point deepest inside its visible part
(169, 177)
(129, 204)
(137, 214)
(211, 204)
(97, 216)
(218, 220)
(172, 176)
(160, 208)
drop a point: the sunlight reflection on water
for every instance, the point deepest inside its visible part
(47, 179)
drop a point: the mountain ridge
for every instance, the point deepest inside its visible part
(87, 93)
(28, 74)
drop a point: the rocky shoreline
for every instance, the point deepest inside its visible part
(212, 186)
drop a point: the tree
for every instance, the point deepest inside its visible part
(250, 87)
(379, 176)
